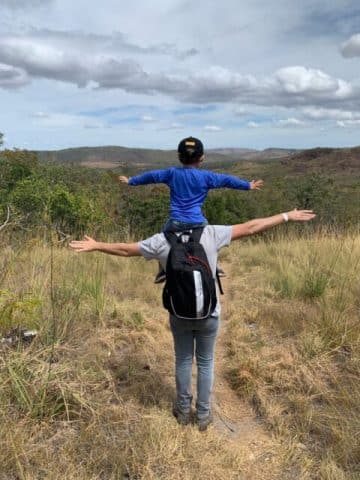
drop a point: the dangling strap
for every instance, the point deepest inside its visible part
(219, 283)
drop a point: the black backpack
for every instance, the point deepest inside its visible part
(189, 291)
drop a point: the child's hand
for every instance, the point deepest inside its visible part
(123, 179)
(256, 184)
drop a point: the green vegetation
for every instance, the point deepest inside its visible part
(44, 195)
(72, 200)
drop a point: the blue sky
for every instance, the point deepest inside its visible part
(251, 74)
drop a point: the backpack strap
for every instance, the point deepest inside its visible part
(196, 234)
(171, 238)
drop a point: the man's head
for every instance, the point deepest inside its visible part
(191, 151)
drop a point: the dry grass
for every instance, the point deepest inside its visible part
(102, 408)
(294, 345)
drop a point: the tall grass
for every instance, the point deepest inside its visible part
(103, 409)
(297, 355)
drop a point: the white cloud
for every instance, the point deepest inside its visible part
(85, 59)
(348, 123)
(40, 115)
(103, 61)
(253, 124)
(212, 128)
(301, 80)
(351, 48)
(147, 118)
(64, 121)
(290, 122)
(317, 113)
(176, 126)
(173, 126)
(240, 112)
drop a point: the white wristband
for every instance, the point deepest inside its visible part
(285, 217)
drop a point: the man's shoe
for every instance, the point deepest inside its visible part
(160, 277)
(181, 417)
(203, 423)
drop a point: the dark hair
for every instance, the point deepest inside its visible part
(189, 159)
(190, 150)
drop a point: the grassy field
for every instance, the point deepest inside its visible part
(294, 346)
(90, 397)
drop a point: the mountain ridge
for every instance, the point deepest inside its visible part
(112, 156)
(344, 160)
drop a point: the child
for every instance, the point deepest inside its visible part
(188, 187)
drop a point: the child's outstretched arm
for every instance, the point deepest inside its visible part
(221, 180)
(154, 176)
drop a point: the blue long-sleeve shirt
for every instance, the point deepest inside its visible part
(188, 189)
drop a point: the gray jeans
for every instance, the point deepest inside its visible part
(194, 336)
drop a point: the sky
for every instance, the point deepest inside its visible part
(236, 73)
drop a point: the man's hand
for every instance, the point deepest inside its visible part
(88, 244)
(123, 179)
(301, 215)
(256, 184)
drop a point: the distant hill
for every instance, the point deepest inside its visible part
(327, 160)
(239, 152)
(252, 154)
(119, 157)
(130, 160)
(110, 156)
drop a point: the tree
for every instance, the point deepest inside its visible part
(1, 138)
(30, 198)
(16, 165)
(314, 191)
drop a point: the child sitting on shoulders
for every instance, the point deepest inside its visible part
(189, 186)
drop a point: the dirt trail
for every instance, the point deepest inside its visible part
(236, 420)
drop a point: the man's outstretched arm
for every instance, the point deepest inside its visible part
(88, 244)
(261, 224)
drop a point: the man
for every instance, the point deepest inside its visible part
(193, 334)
